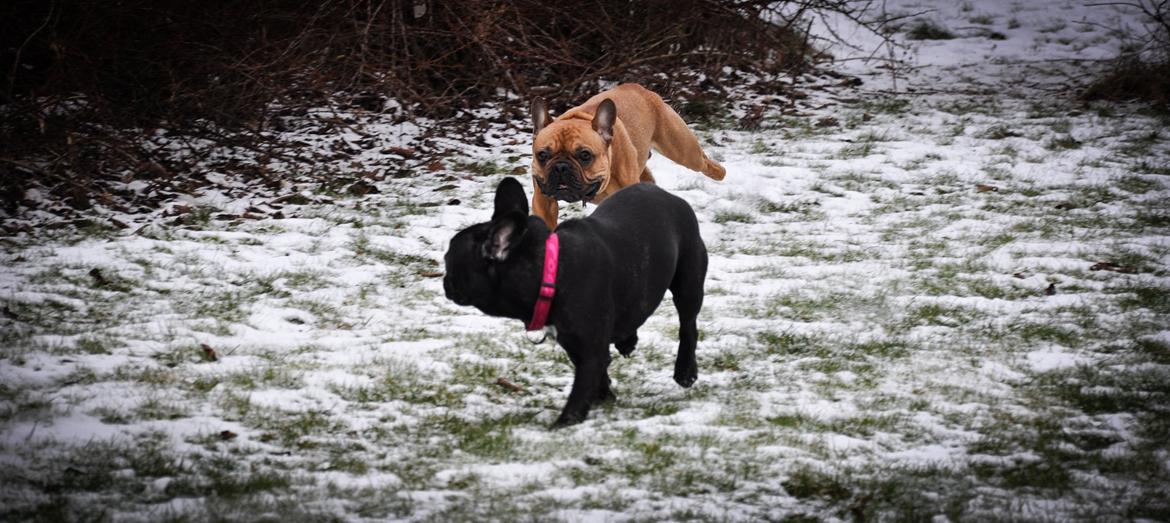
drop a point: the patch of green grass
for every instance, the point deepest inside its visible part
(1151, 297)
(856, 150)
(806, 207)
(806, 482)
(726, 360)
(1033, 331)
(401, 380)
(485, 437)
(726, 216)
(1155, 349)
(228, 306)
(1054, 26)
(223, 476)
(96, 345)
(1153, 216)
(1006, 150)
(1061, 126)
(1146, 166)
(325, 315)
(886, 348)
(800, 306)
(19, 405)
(158, 408)
(885, 105)
(999, 132)
(362, 247)
(866, 425)
(936, 314)
(278, 374)
(294, 429)
(860, 182)
(480, 167)
(788, 342)
(795, 420)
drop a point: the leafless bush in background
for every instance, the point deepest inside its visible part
(84, 81)
(1143, 69)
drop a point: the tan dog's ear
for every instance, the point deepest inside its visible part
(540, 117)
(603, 119)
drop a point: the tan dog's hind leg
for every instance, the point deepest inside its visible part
(646, 177)
(675, 140)
(545, 208)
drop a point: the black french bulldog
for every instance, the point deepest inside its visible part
(615, 267)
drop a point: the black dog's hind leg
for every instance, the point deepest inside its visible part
(626, 347)
(604, 393)
(687, 292)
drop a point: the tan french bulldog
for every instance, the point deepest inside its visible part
(601, 146)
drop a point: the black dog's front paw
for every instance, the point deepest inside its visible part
(566, 419)
(685, 375)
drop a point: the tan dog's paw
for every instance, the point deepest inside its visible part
(713, 170)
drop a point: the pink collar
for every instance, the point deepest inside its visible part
(548, 283)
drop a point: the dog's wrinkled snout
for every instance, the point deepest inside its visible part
(562, 169)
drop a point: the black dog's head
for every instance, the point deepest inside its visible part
(485, 263)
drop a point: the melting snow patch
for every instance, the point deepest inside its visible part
(509, 475)
(1053, 358)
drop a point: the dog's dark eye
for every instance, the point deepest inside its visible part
(543, 156)
(585, 156)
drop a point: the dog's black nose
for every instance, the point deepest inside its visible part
(562, 168)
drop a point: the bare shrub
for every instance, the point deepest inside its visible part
(85, 81)
(1142, 71)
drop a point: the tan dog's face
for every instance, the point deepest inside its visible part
(570, 158)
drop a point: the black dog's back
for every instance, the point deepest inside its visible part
(652, 238)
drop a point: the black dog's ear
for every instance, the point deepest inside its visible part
(510, 197)
(603, 119)
(504, 234)
(540, 117)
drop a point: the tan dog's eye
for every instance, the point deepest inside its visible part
(543, 156)
(585, 156)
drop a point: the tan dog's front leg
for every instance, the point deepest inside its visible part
(544, 208)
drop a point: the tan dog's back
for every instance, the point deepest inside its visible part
(637, 109)
(650, 122)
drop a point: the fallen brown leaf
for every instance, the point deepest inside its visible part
(1113, 267)
(405, 152)
(209, 353)
(510, 386)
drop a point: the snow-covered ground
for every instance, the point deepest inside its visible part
(947, 302)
